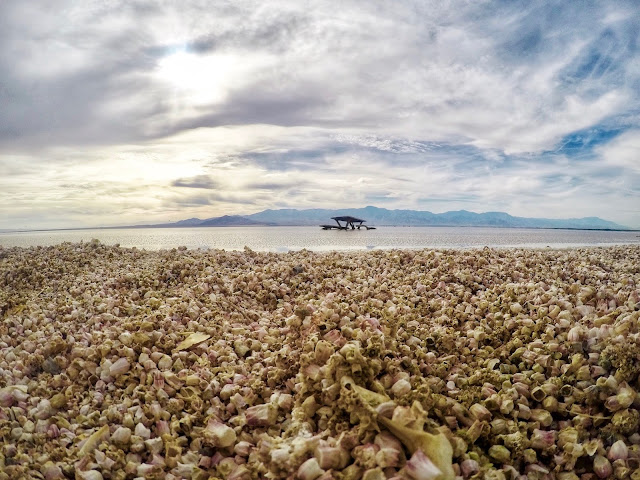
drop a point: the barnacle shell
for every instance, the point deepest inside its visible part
(94, 440)
(420, 467)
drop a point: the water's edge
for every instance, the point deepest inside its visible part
(279, 239)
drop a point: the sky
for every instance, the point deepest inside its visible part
(118, 112)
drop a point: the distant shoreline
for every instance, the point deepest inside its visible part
(128, 227)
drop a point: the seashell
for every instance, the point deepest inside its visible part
(53, 431)
(219, 434)
(592, 446)
(420, 467)
(261, 415)
(623, 399)
(121, 435)
(400, 388)
(12, 394)
(469, 467)
(506, 406)
(602, 467)
(240, 472)
(120, 366)
(438, 446)
(328, 457)
(51, 471)
(44, 410)
(58, 401)
(90, 475)
(280, 456)
(388, 457)
(309, 470)
(95, 439)
(529, 455)
(242, 448)
(154, 445)
(500, 453)
(515, 308)
(538, 394)
(541, 416)
(618, 451)
(543, 439)
(192, 340)
(165, 363)
(285, 401)
(309, 407)
(104, 462)
(142, 431)
(372, 474)
(403, 415)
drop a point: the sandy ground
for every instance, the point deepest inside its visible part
(121, 363)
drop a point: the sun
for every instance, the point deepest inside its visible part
(200, 79)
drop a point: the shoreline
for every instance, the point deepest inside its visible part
(278, 239)
(184, 362)
(337, 250)
(136, 227)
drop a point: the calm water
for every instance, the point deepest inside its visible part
(281, 239)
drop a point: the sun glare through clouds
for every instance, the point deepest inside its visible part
(198, 79)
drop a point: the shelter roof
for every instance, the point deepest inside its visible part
(348, 219)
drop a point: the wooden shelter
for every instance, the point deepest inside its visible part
(350, 223)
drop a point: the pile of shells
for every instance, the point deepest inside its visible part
(500, 364)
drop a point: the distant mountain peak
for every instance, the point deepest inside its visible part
(228, 220)
(383, 216)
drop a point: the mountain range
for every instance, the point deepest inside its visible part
(376, 216)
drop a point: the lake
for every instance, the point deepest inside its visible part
(282, 239)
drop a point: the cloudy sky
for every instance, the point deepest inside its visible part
(135, 111)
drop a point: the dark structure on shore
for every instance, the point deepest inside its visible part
(350, 223)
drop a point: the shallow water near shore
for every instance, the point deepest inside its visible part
(282, 239)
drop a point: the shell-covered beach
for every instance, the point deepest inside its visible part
(408, 364)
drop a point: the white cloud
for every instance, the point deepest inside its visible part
(623, 152)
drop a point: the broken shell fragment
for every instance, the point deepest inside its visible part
(121, 435)
(500, 453)
(219, 434)
(420, 467)
(261, 415)
(95, 439)
(119, 367)
(192, 340)
(309, 470)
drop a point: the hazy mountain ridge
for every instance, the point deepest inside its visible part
(223, 221)
(382, 216)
